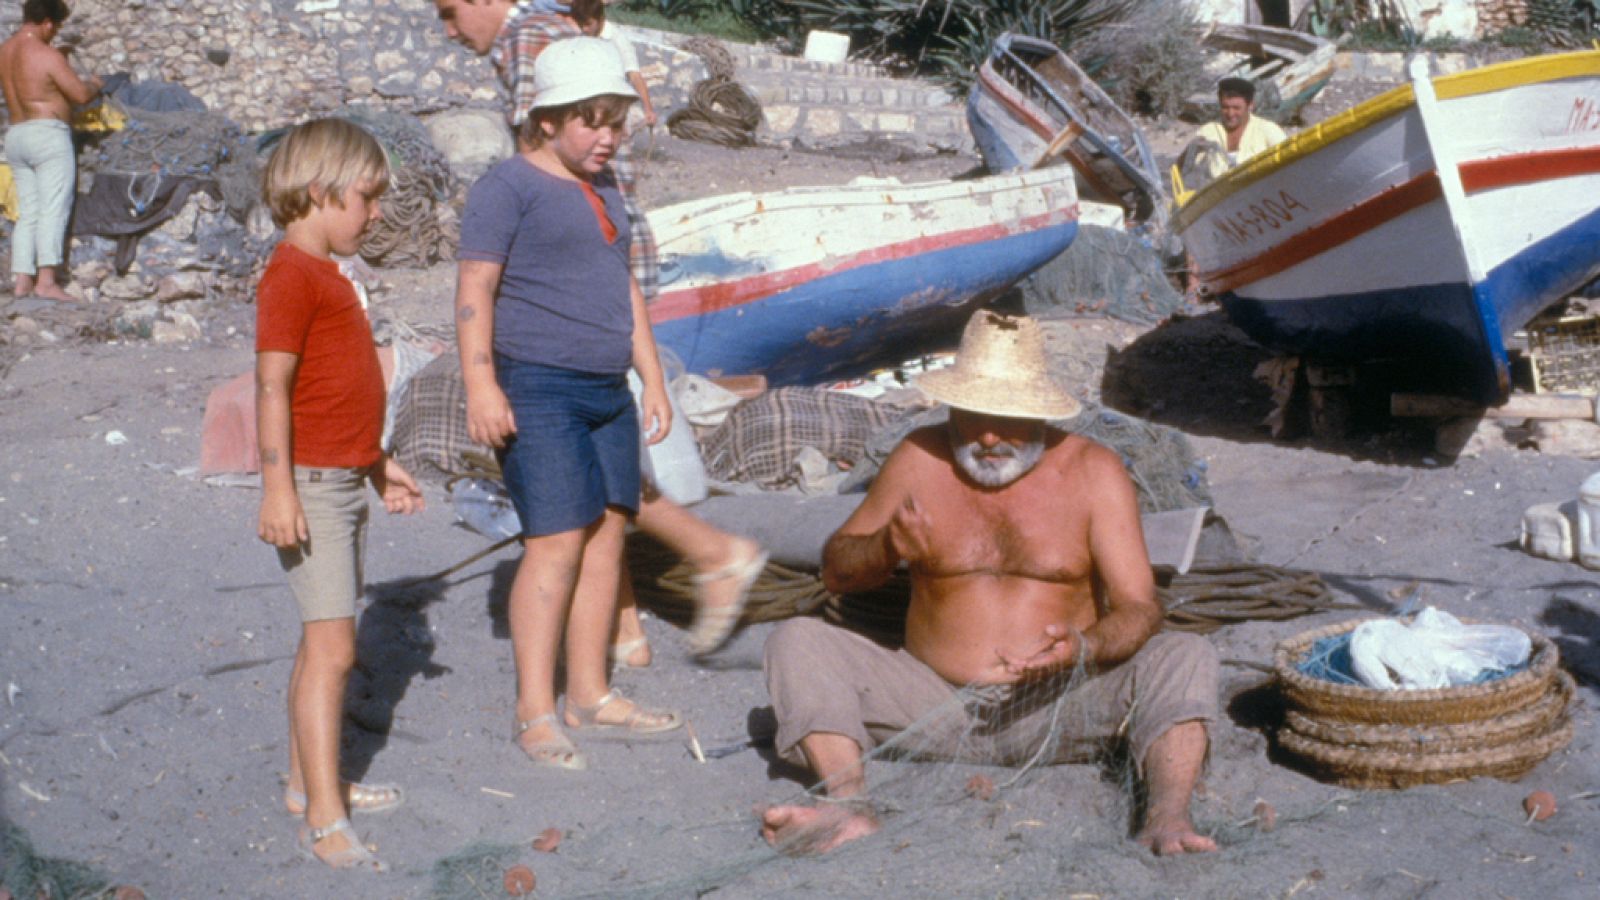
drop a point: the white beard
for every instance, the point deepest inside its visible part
(1000, 465)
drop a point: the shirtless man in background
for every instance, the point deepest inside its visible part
(40, 90)
(1010, 530)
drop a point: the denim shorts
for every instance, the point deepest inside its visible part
(576, 450)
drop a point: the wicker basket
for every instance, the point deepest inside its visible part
(1499, 731)
(1365, 767)
(1331, 702)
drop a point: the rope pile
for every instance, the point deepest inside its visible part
(720, 110)
(418, 227)
(1201, 601)
(155, 146)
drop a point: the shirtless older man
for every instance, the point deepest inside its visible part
(1027, 559)
(40, 89)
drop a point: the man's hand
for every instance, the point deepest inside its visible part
(489, 417)
(655, 415)
(283, 522)
(1063, 647)
(397, 488)
(910, 532)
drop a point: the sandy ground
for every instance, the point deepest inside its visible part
(148, 635)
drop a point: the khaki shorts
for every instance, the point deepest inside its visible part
(325, 571)
(823, 678)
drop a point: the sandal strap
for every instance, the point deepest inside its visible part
(520, 727)
(318, 835)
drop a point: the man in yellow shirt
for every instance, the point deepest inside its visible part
(1237, 135)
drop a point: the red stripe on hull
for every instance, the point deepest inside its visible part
(1527, 168)
(1476, 176)
(712, 298)
(1346, 226)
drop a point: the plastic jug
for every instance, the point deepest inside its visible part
(1589, 522)
(674, 465)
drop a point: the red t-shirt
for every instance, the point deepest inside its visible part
(307, 307)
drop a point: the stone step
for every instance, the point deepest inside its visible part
(819, 125)
(899, 93)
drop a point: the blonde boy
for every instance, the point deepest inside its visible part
(319, 408)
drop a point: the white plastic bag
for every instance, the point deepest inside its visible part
(1436, 650)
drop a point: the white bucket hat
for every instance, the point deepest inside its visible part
(1001, 370)
(575, 69)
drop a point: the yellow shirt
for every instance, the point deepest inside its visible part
(1259, 134)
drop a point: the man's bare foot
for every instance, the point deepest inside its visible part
(53, 292)
(1174, 838)
(810, 830)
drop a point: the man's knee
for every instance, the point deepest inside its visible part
(795, 647)
(1179, 658)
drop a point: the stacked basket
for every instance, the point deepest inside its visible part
(1364, 737)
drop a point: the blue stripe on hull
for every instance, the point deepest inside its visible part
(1458, 332)
(846, 324)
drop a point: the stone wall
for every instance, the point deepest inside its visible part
(266, 63)
(1495, 16)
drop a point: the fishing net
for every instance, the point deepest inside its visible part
(157, 146)
(1105, 271)
(25, 873)
(419, 226)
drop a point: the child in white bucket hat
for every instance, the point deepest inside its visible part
(549, 319)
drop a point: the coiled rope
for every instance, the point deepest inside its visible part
(720, 110)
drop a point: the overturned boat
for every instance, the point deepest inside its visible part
(816, 283)
(1293, 66)
(1030, 102)
(1426, 224)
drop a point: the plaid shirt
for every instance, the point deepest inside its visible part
(522, 38)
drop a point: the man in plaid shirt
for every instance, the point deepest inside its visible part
(512, 33)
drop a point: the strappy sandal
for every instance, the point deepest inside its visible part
(362, 798)
(557, 752)
(355, 856)
(639, 720)
(621, 653)
(713, 625)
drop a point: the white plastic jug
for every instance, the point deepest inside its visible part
(1589, 522)
(674, 464)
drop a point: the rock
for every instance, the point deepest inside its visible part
(182, 329)
(471, 140)
(124, 287)
(25, 325)
(181, 286)
(1566, 437)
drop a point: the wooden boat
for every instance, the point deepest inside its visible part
(817, 283)
(1426, 224)
(1296, 64)
(1030, 101)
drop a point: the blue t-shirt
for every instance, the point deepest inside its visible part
(564, 293)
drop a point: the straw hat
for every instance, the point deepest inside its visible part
(1000, 370)
(578, 68)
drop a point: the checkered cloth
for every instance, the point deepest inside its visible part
(522, 38)
(430, 426)
(760, 438)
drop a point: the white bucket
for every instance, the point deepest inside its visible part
(827, 46)
(1589, 522)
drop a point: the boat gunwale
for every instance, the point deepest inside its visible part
(671, 227)
(1483, 80)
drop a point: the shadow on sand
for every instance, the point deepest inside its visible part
(1197, 374)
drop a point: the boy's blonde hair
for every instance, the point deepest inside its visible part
(331, 154)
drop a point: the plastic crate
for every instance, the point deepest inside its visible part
(1565, 354)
